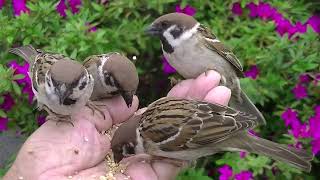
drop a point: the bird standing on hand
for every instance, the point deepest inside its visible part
(114, 74)
(192, 49)
(185, 130)
(61, 85)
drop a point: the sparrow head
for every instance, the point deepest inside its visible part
(69, 80)
(124, 141)
(173, 27)
(123, 73)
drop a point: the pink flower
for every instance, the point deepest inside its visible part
(300, 91)
(167, 68)
(304, 78)
(315, 146)
(3, 124)
(243, 175)
(7, 103)
(301, 28)
(265, 11)
(243, 154)
(314, 22)
(283, 26)
(236, 9)
(2, 2)
(91, 28)
(189, 10)
(253, 9)
(225, 172)
(317, 110)
(61, 8)
(19, 6)
(289, 116)
(26, 81)
(252, 72)
(314, 124)
(75, 5)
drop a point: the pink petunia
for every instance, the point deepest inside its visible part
(2, 2)
(225, 172)
(253, 8)
(189, 10)
(283, 26)
(166, 67)
(61, 8)
(300, 91)
(3, 124)
(236, 9)
(8, 102)
(41, 120)
(314, 127)
(304, 78)
(243, 175)
(242, 154)
(19, 6)
(265, 11)
(75, 5)
(289, 116)
(314, 22)
(252, 72)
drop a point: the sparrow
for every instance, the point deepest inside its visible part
(192, 49)
(186, 130)
(113, 74)
(60, 84)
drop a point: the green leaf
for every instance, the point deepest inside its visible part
(16, 88)
(2, 114)
(18, 76)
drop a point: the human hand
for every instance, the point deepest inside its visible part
(205, 88)
(63, 151)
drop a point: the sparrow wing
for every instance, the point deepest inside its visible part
(176, 124)
(212, 43)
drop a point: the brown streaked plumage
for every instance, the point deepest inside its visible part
(114, 74)
(188, 129)
(60, 84)
(193, 49)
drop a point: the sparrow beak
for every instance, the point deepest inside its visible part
(153, 30)
(128, 97)
(65, 100)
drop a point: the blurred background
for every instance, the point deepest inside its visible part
(276, 41)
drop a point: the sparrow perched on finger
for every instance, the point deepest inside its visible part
(60, 84)
(186, 130)
(114, 74)
(192, 49)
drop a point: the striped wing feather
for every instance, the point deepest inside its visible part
(192, 123)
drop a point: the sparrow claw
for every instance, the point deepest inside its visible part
(94, 108)
(174, 81)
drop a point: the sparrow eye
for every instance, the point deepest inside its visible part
(164, 24)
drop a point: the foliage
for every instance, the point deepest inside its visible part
(119, 27)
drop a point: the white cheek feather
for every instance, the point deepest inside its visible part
(103, 61)
(212, 40)
(185, 35)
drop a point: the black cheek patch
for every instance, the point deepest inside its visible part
(68, 101)
(166, 46)
(83, 84)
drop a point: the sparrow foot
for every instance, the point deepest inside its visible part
(94, 108)
(174, 81)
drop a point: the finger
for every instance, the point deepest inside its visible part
(203, 84)
(165, 170)
(219, 94)
(141, 171)
(118, 109)
(181, 89)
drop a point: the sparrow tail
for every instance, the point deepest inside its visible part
(247, 106)
(26, 52)
(246, 142)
